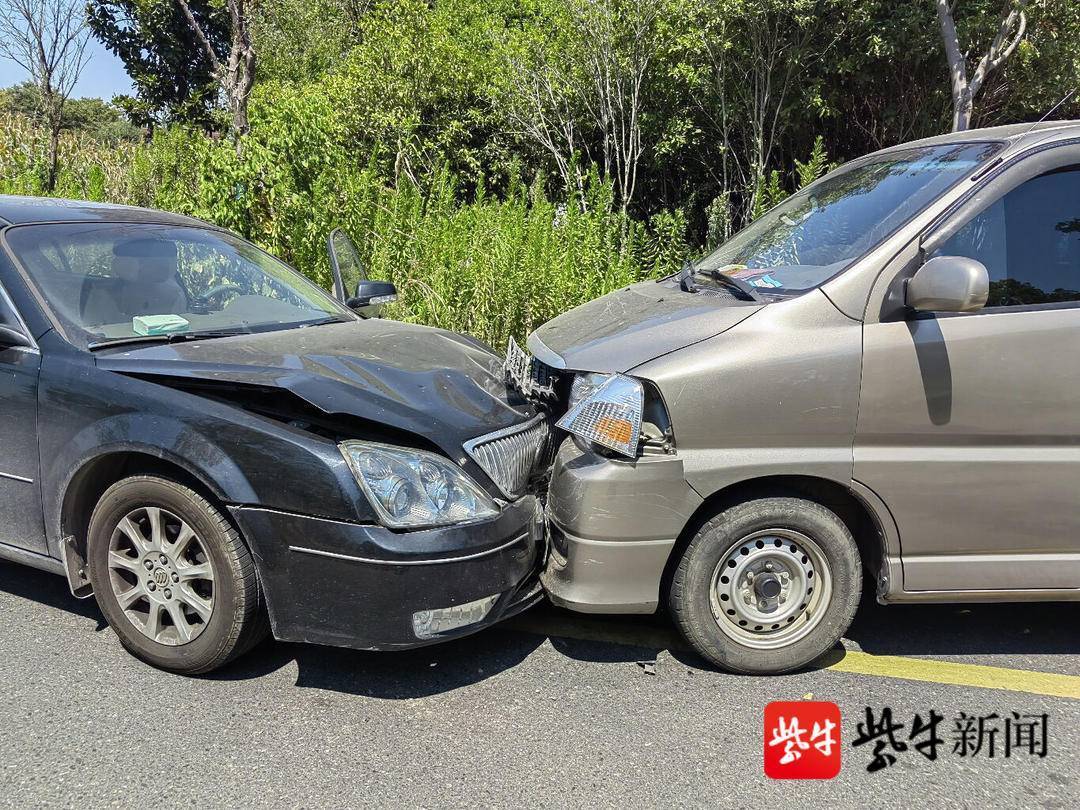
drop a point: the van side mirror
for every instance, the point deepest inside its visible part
(370, 295)
(949, 284)
(11, 338)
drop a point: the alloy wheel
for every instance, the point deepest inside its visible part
(161, 575)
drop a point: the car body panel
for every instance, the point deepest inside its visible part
(20, 497)
(804, 357)
(613, 525)
(342, 584)
(628, 327)
(426, 381)
(18, 210)
(970, 403)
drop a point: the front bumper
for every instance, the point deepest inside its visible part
(351, 585)
(613, 525)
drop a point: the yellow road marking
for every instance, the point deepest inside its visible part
(856, 662)
(956, 674)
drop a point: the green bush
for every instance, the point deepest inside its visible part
(492, 267)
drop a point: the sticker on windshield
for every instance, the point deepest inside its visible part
(765, 281)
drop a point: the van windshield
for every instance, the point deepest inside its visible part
(818, 231)
(110, 282)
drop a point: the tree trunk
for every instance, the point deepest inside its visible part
(964, 88)
(962, 110)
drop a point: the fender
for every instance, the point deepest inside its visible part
(149, 435)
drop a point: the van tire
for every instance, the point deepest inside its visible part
(726, 540)
(238, 619)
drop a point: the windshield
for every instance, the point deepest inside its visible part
(120, 281)
(817, 232)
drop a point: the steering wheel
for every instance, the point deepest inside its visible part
(216, 293)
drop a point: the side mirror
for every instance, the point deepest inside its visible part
(346, 268)
(10, 338)
(949, 284)
(370, 296)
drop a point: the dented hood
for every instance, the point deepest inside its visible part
(631, 326)
(434, 383)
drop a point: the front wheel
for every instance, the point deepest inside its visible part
(172, 576)
(768, 585)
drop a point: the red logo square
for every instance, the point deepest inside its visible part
(802, 740)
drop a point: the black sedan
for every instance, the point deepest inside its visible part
(213, 447)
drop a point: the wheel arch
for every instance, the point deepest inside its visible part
(89, 482)
(862, 521)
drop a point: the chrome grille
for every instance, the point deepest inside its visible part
(511, 456)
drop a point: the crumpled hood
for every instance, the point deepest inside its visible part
(430, 382)
(631, 326)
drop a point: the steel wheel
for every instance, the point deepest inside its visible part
(771, 589)
(161, 575)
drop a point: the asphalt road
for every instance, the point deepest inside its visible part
(518, 716)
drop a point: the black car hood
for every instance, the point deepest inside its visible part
(631, 326)
(439, 385)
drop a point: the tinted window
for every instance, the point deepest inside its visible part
(1029, 241)
(817, 232)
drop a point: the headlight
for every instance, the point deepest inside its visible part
(413, 488)
(606, 410)
(585, 385)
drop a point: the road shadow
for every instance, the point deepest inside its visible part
(1038, 628)
(400, 675)
(47, 589)
(386, 675)
(1018, 629)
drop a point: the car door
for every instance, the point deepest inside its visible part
(21, 522)
(969, 424)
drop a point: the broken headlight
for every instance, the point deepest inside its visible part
(411, 489)
(606, 409)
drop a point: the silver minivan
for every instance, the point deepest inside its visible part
(875, 384)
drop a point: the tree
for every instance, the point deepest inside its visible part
(174, 80)
(236, 75)
(581, 91)
(964, 88)
(90, 116)
(47, 39)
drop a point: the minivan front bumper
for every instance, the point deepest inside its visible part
(352, 585)
(613, 525)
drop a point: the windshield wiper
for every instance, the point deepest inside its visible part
(737, 285)
(324, 321)
(174, 337)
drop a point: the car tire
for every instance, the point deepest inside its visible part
(767, 586)
(173, 577)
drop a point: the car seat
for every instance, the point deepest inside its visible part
(143, 281)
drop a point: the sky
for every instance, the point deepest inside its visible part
(103, 76)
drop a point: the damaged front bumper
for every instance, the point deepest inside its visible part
(613, 525)
(367, 587)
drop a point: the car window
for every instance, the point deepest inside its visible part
(818, 231)
(122, 280)
(1029, 241)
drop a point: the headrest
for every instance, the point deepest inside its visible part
(150, 261)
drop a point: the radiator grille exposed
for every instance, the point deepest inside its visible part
(512, 456)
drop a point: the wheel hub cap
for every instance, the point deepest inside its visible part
(767, 586)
